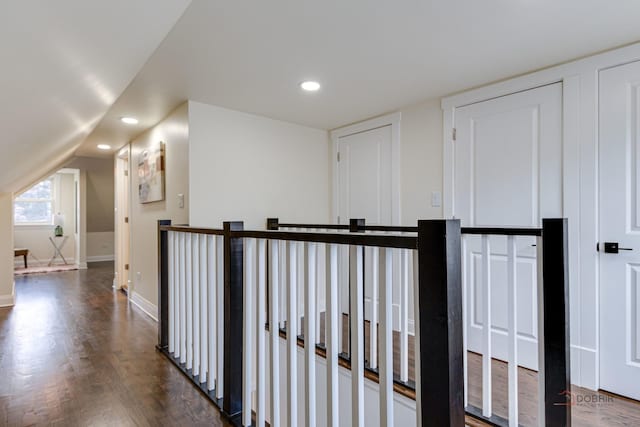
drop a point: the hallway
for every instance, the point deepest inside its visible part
(74, 353)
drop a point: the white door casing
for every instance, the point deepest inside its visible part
(507, 172)
(619, 164)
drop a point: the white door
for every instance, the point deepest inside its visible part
(507, 172)
(364, 191)
(620, 222)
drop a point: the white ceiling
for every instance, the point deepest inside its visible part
(64, 63)
(371, 56)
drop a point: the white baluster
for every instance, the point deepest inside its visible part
(486, 330)
(512, 304)
(416, 331)
(310, 336)
(385, 273)
(261, 334)
(404, 316)
(204, 312)
(541, 369)
(321, 258)
(183, 298)
(376, 279)
(302, 269)
(176, 295)
(465, 284)
(274, 330)
(284, 280)
(357, 336)
(212, 294)
(220, 316)
(333, 323)
(171, 288)
(292, 338)
(189, 268)
(247, 348)
(195, 267)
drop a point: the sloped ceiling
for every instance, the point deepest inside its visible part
(64, 63)
(371, 56)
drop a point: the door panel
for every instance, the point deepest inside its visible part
(620, 222)
(364, 191)
(507, 172)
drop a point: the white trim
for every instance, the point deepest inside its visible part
(100, 258)
(145, 305)
(9, 300)
(392, 120)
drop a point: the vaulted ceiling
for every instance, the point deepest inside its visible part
(69, 63)
(64, 64)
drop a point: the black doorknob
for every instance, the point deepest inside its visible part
(614, 248)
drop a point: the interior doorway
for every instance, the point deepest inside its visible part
(619, 246)
(122, 278)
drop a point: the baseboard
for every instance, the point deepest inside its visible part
(145, 305)
(584, 367)
(100, 258)
(9, 300)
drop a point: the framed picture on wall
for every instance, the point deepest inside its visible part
(151, 174)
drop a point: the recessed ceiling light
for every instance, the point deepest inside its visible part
(310, 86)
(129, 120)
(104, 147)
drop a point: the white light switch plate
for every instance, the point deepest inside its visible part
(181, 201)
(436, 199)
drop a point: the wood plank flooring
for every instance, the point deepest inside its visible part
(74, 353)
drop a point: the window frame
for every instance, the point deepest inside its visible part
(38, 224)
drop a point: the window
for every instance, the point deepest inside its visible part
(35, 206)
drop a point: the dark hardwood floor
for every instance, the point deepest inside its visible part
(74, 353)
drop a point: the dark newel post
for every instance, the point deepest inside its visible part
(163, 284)
(440, 298)
(356, 224)
(273, 223)
(233, 315)
(555, 288)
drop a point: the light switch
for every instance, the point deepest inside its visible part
(181, 201)
(436, 199)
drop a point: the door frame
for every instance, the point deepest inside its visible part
(123, 156)
(392, 120)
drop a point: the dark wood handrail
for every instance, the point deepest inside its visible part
(359, 239)
(195, 230)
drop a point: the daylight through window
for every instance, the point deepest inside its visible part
(35, 206)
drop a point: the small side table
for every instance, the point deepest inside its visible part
(23, 252)
(58, 248)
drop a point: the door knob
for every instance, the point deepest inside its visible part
(614, 248)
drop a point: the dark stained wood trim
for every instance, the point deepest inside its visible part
(555, 288)
(440, 323)
(195, 230)
(360, 239)
(233, 319)
(163, 284)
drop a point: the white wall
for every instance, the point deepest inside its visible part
(100, 246)
(7, 294)
(174, 132)
(420, 160)
(247, 167)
